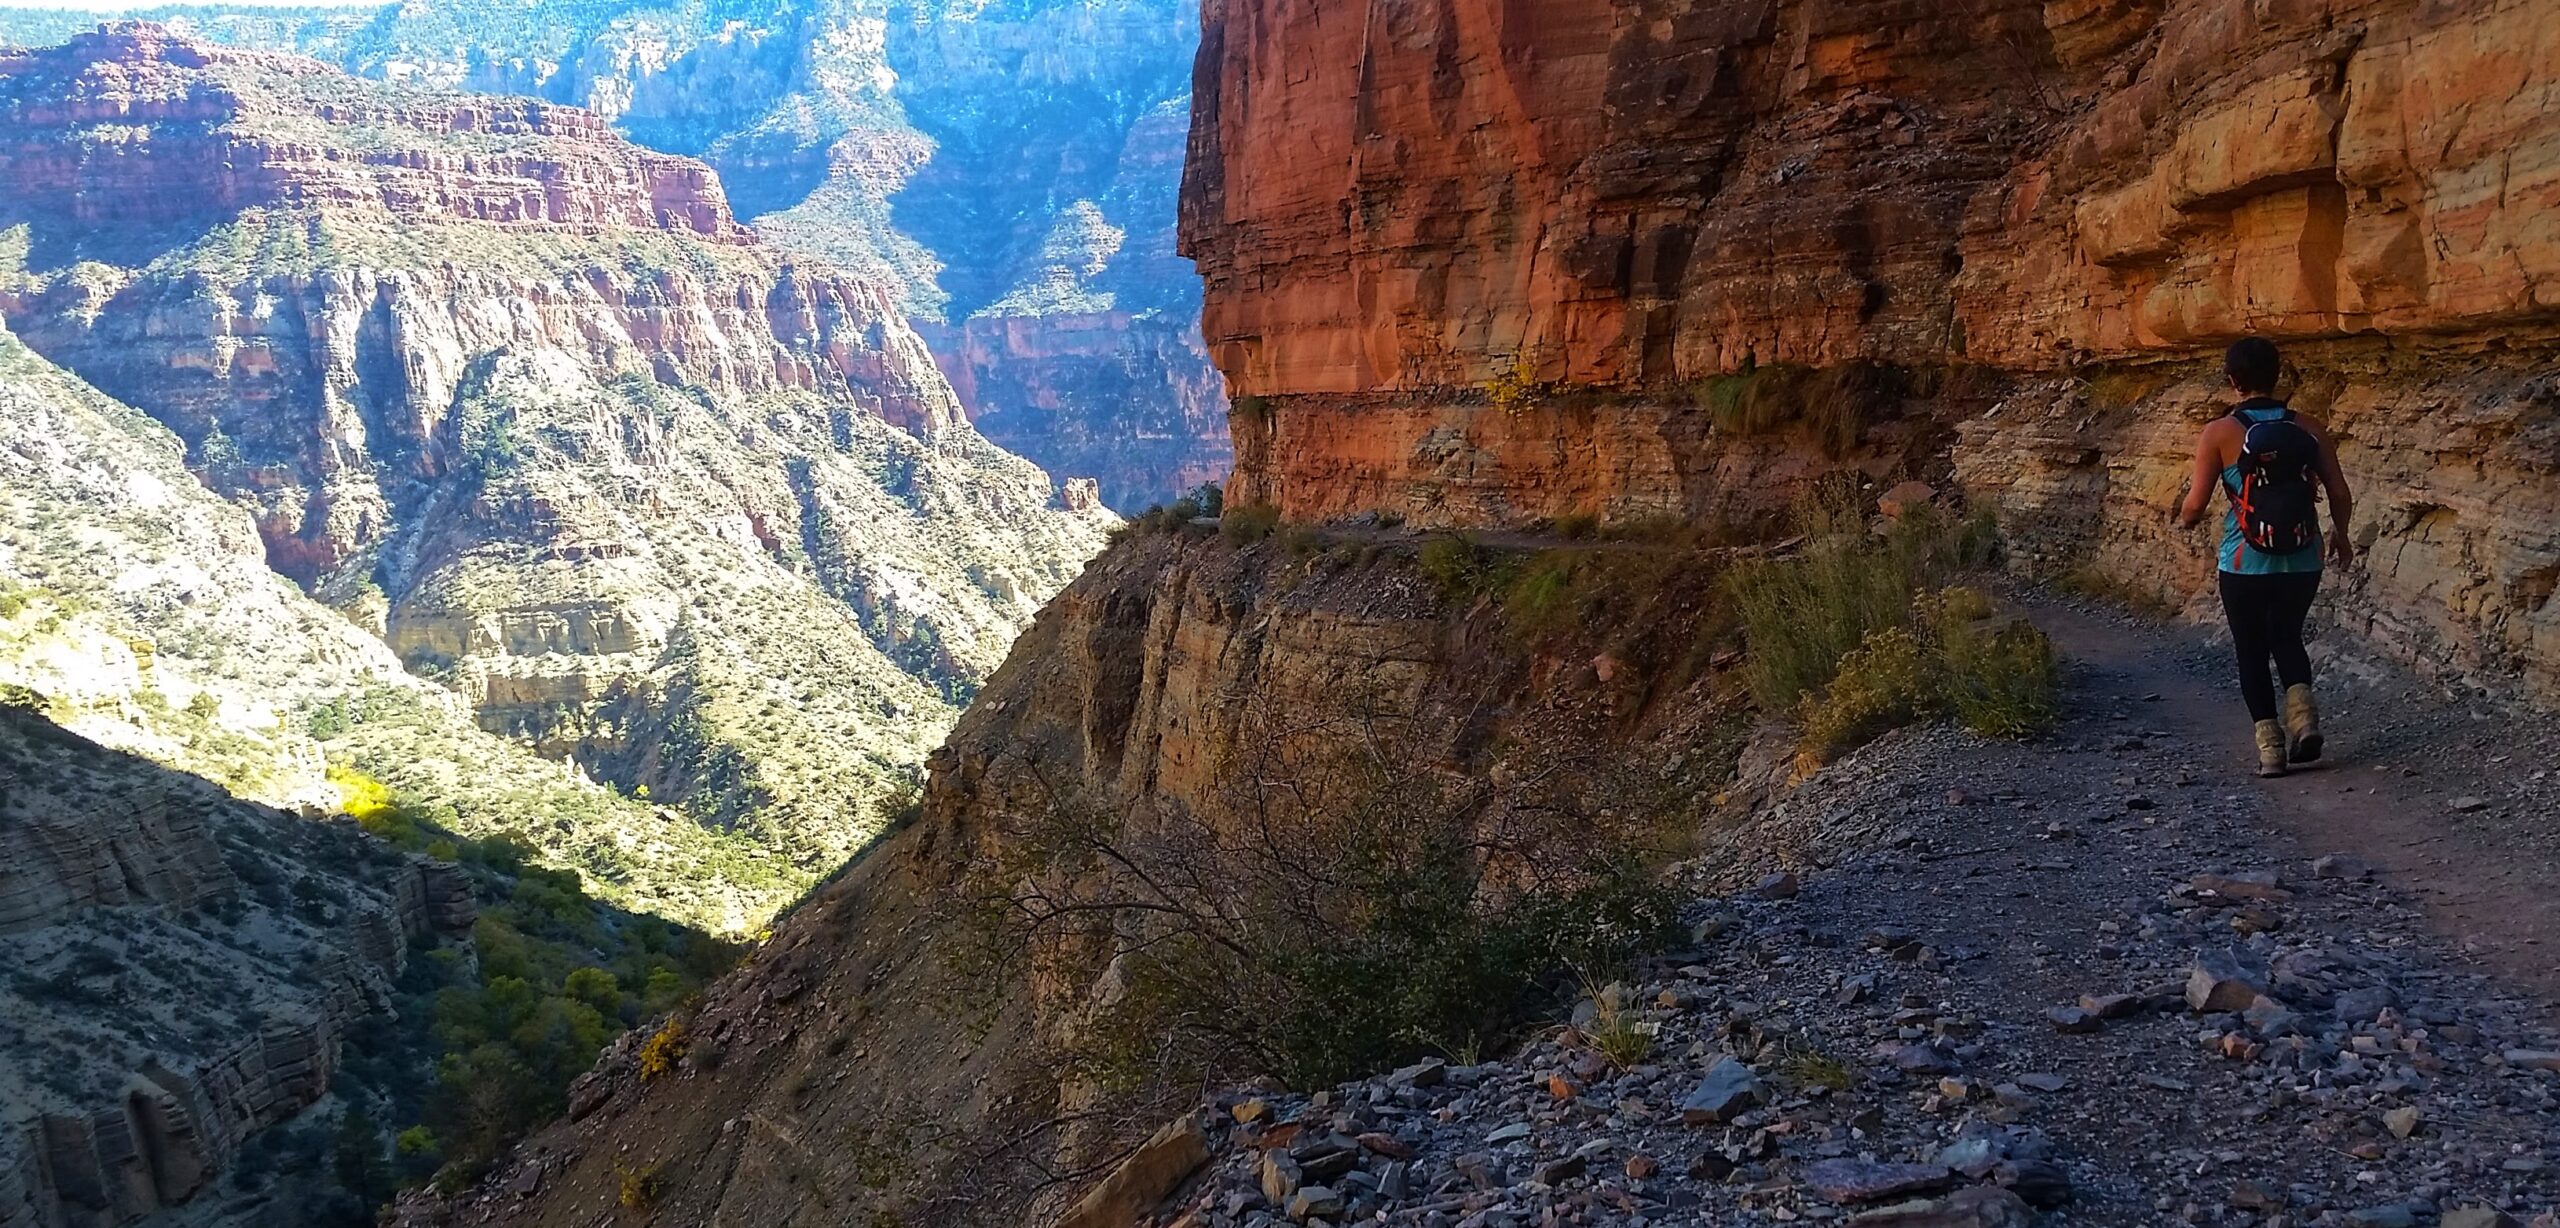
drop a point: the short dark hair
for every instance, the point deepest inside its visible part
(2253, 364)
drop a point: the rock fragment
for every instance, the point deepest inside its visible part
(1855, 1181)
(1313, 1201)
(1982, 1206)
(1728, 1089)
(2224, 980)
(1429, 1072)
(2072, 1020)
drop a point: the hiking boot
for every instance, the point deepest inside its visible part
(2302, 722)
(2271, 748)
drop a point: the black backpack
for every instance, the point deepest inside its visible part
(2271, 485)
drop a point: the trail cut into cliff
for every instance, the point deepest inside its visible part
(1495, 286)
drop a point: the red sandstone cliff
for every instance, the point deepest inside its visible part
(1403, 215)
(259, 123)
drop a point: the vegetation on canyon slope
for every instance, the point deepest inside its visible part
(1351, 914)
(1858, 633)
(1345, 909)
(549, 977)
(140, 606)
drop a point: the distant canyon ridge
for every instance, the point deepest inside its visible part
(1008, 169)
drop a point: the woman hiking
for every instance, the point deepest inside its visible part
(2272, 464)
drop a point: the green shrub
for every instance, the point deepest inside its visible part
(1881, 684)
(1542, 598)
(1801, 615)
(1998, 676)
(636, 1189)
(1461, 568)
(1613, 1030)
(1806, 1068)
(1300, 540)
(1856, 635)
(664, 1048)
(1202, 502)
(1248, 523)
(1957, 658)
(1832, 404)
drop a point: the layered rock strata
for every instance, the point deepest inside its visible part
(526, 401)
(137, 608)
(1413, 226)
(237, 943)
(1007, 171)
(1178, 690)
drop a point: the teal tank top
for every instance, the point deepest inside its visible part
(2239, 557)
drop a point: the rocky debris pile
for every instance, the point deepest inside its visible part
(1970, 995)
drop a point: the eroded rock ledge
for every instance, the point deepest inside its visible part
(1426, 234)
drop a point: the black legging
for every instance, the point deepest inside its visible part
(2267, 613)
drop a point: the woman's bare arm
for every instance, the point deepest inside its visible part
(2342, 501)
(2202, 476)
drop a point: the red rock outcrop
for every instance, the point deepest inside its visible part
(362, 244)
(253, 128)
(1427, 232)
(1126, 399)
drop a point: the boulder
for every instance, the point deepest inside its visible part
(1855, 1181)
(1151, 1174)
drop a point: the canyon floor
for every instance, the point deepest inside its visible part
(2105, 978)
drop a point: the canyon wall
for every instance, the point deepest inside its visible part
(524, 402)
(1006, 172)
(1484, 265)
(124, 883)
(1422, 231)
(1181, 688)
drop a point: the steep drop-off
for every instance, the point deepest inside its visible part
(136, 606)
(1181, 691)
(1007, 171)
(185, 969)
(1485, 265)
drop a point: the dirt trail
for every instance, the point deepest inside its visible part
(2111, 953)
(2402, 753)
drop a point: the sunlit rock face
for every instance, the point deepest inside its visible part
(649, 496)
(1417, 227)
(1006, 171)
